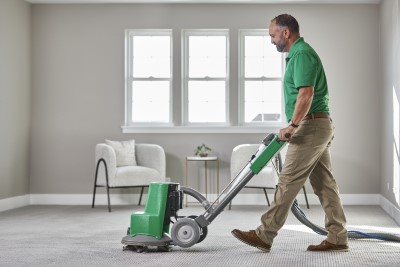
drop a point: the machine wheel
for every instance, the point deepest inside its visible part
(203, 234)
(185, 232)
(204, 230)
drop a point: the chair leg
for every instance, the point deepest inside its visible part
(141, 194)
(107, 185)
(266, 195)
(305, 195)
(108, 198)
(94, 194)
(95, 181)
(230, 205)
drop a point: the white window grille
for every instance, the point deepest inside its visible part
(205, 68)
(261, 69)
(148, 75)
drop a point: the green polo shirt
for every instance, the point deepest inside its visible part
(304, 68)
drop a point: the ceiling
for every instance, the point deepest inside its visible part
(205, 1)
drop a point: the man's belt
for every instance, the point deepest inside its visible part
(317, 115)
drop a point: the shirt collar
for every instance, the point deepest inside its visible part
(294, 46)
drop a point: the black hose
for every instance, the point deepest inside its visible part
(299, 214)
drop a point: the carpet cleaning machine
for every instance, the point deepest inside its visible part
(150, 229)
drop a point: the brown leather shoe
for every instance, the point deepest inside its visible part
(250, 238)
(326, 246)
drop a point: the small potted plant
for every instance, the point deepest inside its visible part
(202, 150)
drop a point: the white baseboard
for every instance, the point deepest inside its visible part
(391, 209)
(14, 202)
(240, 199)
(347, 199)
(85, 199)
(129, 199)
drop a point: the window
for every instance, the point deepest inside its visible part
(260, 79)
(202, 82)
(148, 77)
(205, 77)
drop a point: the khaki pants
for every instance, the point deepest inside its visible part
(307, 157)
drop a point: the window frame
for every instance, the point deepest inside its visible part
(236, 126)
(185, 33)
(129, 33)
(242, 79)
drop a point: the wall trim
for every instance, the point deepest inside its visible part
(390, 209)
(85, 199)
(132, 199)
(14, 202)
(241, 199)
(347, 199)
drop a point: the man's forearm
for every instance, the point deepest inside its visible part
(303, 104)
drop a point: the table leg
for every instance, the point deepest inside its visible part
(218, 178)
(186, 180)
(205, 169)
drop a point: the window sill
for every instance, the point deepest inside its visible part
(204, 129)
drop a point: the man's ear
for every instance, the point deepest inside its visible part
(287, 33)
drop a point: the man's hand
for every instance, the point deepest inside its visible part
(303, 104)
(285, 132)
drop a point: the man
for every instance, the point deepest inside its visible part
(311, 131)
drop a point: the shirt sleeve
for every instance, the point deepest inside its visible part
(305, 70)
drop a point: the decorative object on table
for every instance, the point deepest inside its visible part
(202, 150)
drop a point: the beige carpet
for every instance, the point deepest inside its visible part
(81, 236)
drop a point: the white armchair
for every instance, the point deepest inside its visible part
(150, 167)
(267, 178)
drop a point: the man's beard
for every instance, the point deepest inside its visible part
(280, 48)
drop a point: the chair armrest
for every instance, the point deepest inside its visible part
(106, 152)
(151, 156)
(241, 155)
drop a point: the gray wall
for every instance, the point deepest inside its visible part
(14, 97)
(390, 71)
(78, 86)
